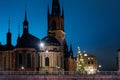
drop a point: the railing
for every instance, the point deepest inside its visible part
(72, 73)
(38, 75)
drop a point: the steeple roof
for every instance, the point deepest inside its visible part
(25, 20)
(55, 8)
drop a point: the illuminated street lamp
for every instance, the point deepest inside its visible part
(22, 68)
(99, 66)
(42, 45)
(46, 51)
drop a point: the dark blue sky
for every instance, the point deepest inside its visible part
(94, 25)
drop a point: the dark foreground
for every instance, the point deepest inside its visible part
(52, 77)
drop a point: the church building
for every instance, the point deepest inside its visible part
(33, 54)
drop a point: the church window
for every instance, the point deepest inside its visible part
(92, 62)
(20, 61)
(38, 60)
(4, 63)
(41, 60)
(61, 61)
(55, 49)
(54, 25)
(88, 62)
(28, 60)
(46, 61)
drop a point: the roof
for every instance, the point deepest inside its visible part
(50, 40)
(28, 41)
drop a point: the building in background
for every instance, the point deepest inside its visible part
(118, 60)
(86, 63)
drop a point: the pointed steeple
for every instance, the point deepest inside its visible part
(55, 8)
(25, 14)
(71, 51)
(8, 24)
(25, 23)
(9, 33)
(62, 12)
(19, 30)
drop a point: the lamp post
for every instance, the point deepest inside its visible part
(58, 70)
(42, 48)
(99, 67)
(22, 68)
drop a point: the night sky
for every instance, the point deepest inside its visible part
(94, 25)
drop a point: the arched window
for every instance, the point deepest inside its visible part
(54, 25)
(29, 60)
(61, 61)
(46, 61)
(55, 49)
(4, 63)
(20, 60)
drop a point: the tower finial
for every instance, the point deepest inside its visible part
(25, 13)
(55, 8)
(9, 24)
(62, 12)
(25, 23)
(18, 30)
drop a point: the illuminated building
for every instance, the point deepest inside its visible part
(86, 63)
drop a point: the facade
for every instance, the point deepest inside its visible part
(28, 55)
(86, 63)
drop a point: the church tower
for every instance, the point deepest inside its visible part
(25, 24)
(56, 28)
(56, 22)
(9, 34)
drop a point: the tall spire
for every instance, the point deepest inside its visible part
(8, 24)
(18, 30)
(62, 12)
(71, 51)
(9, 33)
(25, 23)
(55, 8)
(25, 14)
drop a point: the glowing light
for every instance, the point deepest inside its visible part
(99, 66)
(41, 44)
(85, 54)
(47, 51)
(22, 67)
